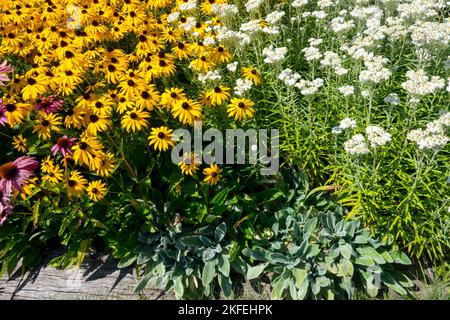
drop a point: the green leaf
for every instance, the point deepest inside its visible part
(300, 276)
(310, 226)
(192, 241)
(220, 231)
(365, 261)
(220, 197)
(143, 283)
(400, 257)
(346, 250)
(208, 273)
(145, 254)
(178, 287)
(303, 290)
(225, 284)
(209, 254)
(371, 253)
(127, 260)
(224, 265)
(254, 272)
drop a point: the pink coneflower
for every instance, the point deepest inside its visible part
(5, 68)
(3, 119)
(49, 104)
(5, 206)
(64, 145)
(15, 174)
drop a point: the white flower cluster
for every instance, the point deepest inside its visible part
(420, 8)
(331, 59)
(309, 87)
(419, 84)
(375, 71)
(345, 123)
(433, 136)
(299, 3)
(209, 76)
(346, 90)
(339, 25)
(289, 77)
(253, 5)
(191, 5)
(232, 38)
(242, 86)
(312, 53)
(426, 33)
(275, 17)
(232, 67)
(173, 17)
(356, 145)
(274, 55)
(224, 9)
(377, 136)
(392, 99)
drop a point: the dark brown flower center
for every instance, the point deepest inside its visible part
(217, 90)
(45, 123)
(31, 81)
(93, 118)
(241, 105)
(133, 115)
(185, 105)
(214, 174)
(161, 135)
(8, 171)
(11, 107)
(72, 183)
(83, 145)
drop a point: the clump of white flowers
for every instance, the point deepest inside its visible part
(392, 99)
(289, 77)
(209, 76)
(377, 136)
(418, 83)
(299, 3)
(253, 5)
(224, 9)
(433, 136)
(356, 145)
(232, 67)
(242, 86)
(309, 87)
(274, 55)
(346, 90)
(346, 123)
(191, 5)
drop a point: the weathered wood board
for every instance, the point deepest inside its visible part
(96, 279)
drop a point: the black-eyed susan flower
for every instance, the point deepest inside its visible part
(212, 174)
(107, 165)
(186, 111)
(87, 150)
(189, 164)
(36, 86)
(135, 120)
(148, 98)
(20, 143)
(250, 73)
(181, 50)
(76, 183)
(54, 175)
(218, 95)
(96, 190)
(16, 112)
(161, 138)
(95, 123)
(240, 109)
(221, 55)
(46, 124)
(171, 96)
(202, 64)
